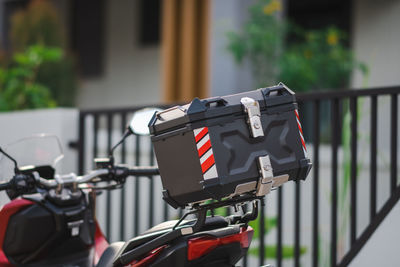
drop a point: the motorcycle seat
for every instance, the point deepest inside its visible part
(211, 223)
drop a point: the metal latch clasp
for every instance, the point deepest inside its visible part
(264, 185)
(252, 108)
(267, 181)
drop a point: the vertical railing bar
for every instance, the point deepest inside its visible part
(180, 212)
(123, 160)
(297, 219)
(245, 260)
(108, 199)
(315, 232)
(262, 234)
(151, 189)
(279, 229)
(81, 143)
(166, 211)
(95, 136)
(335, 142)
(353, 176)
(297, 225)
(373, 154)
(123, 130)
(245, 263)
(109, 131)
(137, 191)
(393, 144)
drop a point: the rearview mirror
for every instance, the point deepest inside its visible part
(140, 120)
(138, 125)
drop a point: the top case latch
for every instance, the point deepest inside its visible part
(268, 181)
(252, 108)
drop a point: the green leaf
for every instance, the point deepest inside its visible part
(18, 82)
(269, 223)
(270, 251)
(52, 54)
(236, 46)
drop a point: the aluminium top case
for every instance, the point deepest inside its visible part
(222, 147)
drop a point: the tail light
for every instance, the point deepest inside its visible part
(148, 259)
(200, 246)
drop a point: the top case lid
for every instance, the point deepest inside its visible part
(269, 98)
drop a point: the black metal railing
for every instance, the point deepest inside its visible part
(330, 136)
(336, 99)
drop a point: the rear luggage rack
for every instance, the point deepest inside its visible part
(132, 251)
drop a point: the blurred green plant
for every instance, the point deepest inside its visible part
(282, 51)
(260, 41)
(271, 250)
(318, 60)
(19, 88)
(40, 24)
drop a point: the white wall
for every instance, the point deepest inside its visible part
(60, 122)
(376, 39)
(131, 72)
(382, 248)
(227, 77)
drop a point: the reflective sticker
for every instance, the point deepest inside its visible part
(303, 143)
(205, 152)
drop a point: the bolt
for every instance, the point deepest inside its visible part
(256, 125)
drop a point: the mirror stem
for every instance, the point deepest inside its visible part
(126, 134)
(16, 170)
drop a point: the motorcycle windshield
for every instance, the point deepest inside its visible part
(38, 150)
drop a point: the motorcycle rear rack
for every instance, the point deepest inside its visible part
(138, 248)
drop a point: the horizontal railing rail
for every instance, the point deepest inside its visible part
(340, 94)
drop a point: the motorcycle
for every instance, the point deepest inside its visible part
(51, 220)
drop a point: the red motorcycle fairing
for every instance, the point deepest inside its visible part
(6, 212)
(20, 205)
(100, 243)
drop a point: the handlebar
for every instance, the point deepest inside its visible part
(96, 173)
(144, 171)
(119, 172)
(4, 186)
(114, 173)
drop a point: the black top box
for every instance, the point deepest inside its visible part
(223, 147)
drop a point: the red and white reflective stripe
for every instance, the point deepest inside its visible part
(205, 152)
(300, 132)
